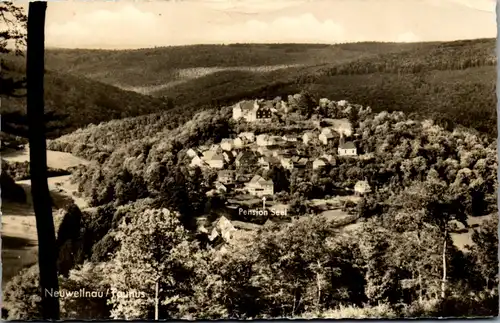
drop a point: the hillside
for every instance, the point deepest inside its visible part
(164, 65)
(452, 82)
(72, 102)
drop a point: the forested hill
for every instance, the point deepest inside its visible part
(451, 82)
(72, 102)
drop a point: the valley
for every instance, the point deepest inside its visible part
(343, 174)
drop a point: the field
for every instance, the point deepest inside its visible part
(19, 236)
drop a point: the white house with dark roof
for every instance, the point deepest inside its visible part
(325, 135)
(226, 176)
(347, 148)
(213, 159)
(244, 109)
(252, 111)
(320, 162)
(258, 186)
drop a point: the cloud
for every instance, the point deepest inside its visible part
(117, 25)
(407, 37)
(482, 5)
(251, 6)
(301, 28)
(115, 28)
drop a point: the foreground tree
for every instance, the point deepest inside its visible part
(437, 205)
(152, 267)
(47, 255)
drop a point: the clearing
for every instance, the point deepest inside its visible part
(19, 235)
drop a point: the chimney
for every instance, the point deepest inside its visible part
(342, 140)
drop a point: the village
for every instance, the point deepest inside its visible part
(242, 163)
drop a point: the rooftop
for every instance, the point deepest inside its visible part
(347, 145)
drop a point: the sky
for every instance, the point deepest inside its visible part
(139, 24)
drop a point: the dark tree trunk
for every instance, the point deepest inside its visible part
(47, 256)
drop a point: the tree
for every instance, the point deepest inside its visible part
(440, 205)
(47, 255)
(22, 296)
(14, 36)
(151, 269)
(91, 278)
(485, 251)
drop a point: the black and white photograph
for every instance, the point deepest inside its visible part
(248, 159)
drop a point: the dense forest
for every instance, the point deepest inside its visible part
(452, 82)
(72, 102)
(424, 178)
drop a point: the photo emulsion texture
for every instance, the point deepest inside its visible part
(249, 159)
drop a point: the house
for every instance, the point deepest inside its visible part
(264, 163)
(252, 111)
(307, 137)
(238, 143)
(226, 144)
(228, 157)
(245, 158)
(325, 137)
(250, 136)
(283, 106)
(347, 148)
(244, 109)
(191, 153)
(264, 151)
(215, 147)
(197, 162)
(202, 148)
(226, 176)
(323, 102)
(320, 162)
(302, 162)
(224, 228)
(258, 186)
(263, 140)
(264, 113)
(213, 159)
(220, 187)
(328, 157)
(290, 138)
(362, 187)
(267, 162)
(287, 163)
